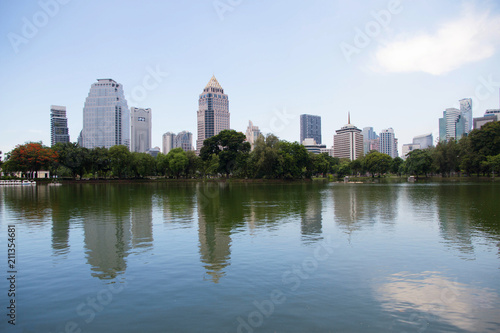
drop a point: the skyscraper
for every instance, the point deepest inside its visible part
(310, 127)
(106, 116)
(388, 143)
(213, 112)
(348, 142)
(184, 140)
(168, 142)
(452, 125)
(140, 129)
(370, 139)
(466, 109)
(252, 133)
(58, 125)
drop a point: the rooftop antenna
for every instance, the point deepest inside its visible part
(349, 117)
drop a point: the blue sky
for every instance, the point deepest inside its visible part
(275, 60)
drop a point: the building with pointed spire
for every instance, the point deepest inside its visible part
(213, 112)
(348, 142)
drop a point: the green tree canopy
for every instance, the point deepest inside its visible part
(376, 162)
(228, 145)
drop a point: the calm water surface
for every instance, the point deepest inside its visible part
(315, 257)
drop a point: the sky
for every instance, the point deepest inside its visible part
(396, 64)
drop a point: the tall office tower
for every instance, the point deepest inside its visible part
(466, 109)
(370, 139)
(425, 141)
(106, 116)
(452, 125)
(348, 142)
(253, 132)
(213, 112)
(388, 143)
(58, 125)
(140, 129)
(184, 140)
(168, 142)
(310, 127)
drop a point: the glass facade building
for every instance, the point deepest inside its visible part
(466, 109)
(452, 125)
(425, 141)
(106, 116)
(182, 140)
(310, 128)
(58, 125)
(213, 112)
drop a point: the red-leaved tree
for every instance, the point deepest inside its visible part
(30, 158)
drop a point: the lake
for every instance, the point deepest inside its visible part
(253, 257)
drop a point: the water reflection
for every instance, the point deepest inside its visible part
(427, 298)
(178, 203)
(357, 206)
(311, 216)
(465, 212)
(218, 213)
(119, 219)
(225, 208)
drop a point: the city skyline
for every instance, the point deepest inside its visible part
(273, 71)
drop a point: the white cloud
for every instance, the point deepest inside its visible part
(470, 38)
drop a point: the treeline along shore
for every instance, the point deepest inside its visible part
(227, 156)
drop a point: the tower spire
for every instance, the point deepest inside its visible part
(349, 117)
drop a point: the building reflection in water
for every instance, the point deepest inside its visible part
(311, 216)
(224, 209)
(116, 223)
(430, 297)
(214, 227)
(178, 204)
(357, 206)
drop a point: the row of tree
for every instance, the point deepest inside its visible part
(228, 155)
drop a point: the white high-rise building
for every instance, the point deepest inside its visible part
(140, 129)
(213, 112)
(106, 116)
(253, 132)
(388, 143)
(58, 125)
(168, 142)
